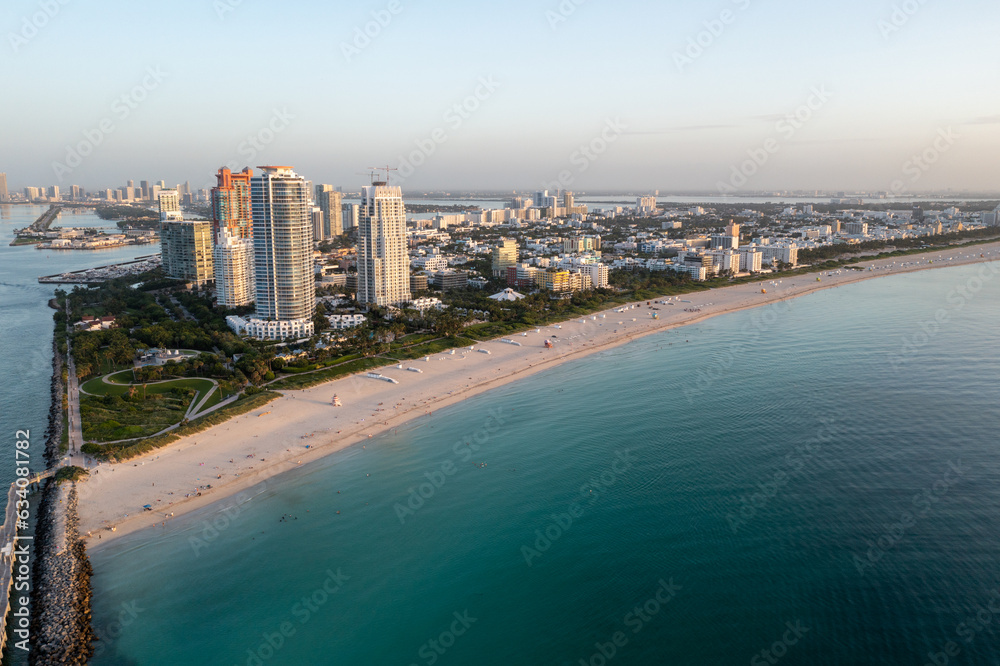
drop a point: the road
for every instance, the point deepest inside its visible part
(73, 455)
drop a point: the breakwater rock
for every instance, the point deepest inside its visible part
(61, 598)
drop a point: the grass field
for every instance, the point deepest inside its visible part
(99, 387)
(123, 377)
(108, 416)
(112, 418)
(299, 382)
(429, 348)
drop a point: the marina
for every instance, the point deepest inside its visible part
(104, 273)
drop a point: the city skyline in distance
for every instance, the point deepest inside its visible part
(858, 96)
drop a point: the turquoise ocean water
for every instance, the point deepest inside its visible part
(809, 485)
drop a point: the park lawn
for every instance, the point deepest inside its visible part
(299, 382)
(493, 330)
(123, 377)
(111, 419)
(97, 386)
(216, 397)
(429, 348)
(416, 338)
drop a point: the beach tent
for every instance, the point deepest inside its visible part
(507, 295)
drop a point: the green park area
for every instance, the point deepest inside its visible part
(112, 412)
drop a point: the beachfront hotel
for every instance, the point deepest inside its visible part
(383, 262)
(283, 245)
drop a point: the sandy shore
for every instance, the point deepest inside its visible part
(303, 426)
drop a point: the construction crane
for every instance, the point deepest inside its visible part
(375, 170)
(373, 174)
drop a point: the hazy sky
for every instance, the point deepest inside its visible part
(183, 86)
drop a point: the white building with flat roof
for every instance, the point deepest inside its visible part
(345, 322)
(598, 274)
(788, 254)
(263, 329)
(751, 260)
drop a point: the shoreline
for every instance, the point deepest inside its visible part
(292, 426)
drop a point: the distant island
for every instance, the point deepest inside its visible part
(431, 208)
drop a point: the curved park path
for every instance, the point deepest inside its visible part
(195, 409)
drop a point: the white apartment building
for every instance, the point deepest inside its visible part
(235, 285)
(383, 263)
(751, 260)
(726, 260)
(263, 329)
(598, 274)
(646, 205)
(344, 322)
(788, 254)
(432, 263)
(424, 304)
(170, 205)
(283, 247)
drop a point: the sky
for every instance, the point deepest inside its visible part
(726, 95)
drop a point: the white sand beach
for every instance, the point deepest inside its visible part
(303, 426)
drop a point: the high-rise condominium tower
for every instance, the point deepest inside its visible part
(186, 250)
(330, 202)
(170, 205)
(3, 187)
(231, 203)
(233, 261)
(383, 263)
(283, 246)
(232, 230)
(350, 216)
